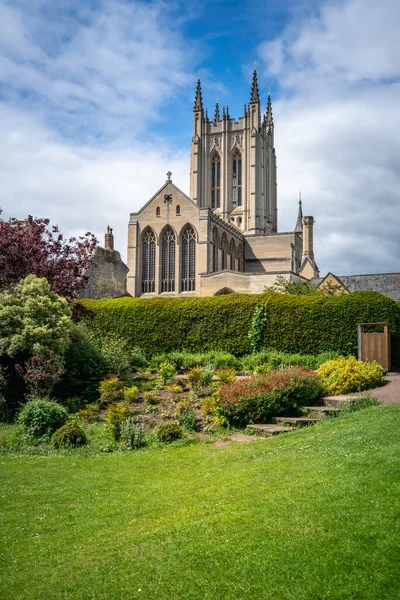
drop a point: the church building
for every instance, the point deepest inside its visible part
(223, 238)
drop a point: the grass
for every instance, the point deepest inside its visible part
(312, 515)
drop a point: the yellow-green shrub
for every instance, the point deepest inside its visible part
(111, 390)
(344, 375)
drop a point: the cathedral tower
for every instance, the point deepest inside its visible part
(233, 164)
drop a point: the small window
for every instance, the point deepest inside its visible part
(178, 209)
(158, 211)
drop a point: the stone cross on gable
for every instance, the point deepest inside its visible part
(169, 175)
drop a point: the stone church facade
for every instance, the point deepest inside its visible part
(223, 238)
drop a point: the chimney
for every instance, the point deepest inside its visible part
(109, 239)
(308, 241)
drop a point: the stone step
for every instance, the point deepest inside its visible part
(319, 412)
(296, 420)
(269, 429)
(338, 401)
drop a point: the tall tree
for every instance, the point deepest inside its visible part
(33, 246)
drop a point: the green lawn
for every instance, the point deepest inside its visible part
(306, 516)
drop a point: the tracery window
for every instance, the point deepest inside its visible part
(224, 247)
(216, 181)
(148, 261)
(168, 260)
(215, 251)
(188, 244)
(237, 179)
(233, 253)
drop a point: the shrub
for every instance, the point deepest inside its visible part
(138, 358)
(194, 376)
(41, 418)
(347, 374)
(90, 412)
(226, 375)
(41, 372)
(111, 390)
(166, 371)
(130, 393)
(70, 435)
(307, 324)
(201, 378)
(150, 398)
(185, 415)
(169, 431)
(115, 415)
(131, 434)
(208, 404)
(175, 388)
(261, 397)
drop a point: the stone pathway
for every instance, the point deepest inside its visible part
(388, 394)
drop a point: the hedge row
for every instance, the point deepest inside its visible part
(306, 324)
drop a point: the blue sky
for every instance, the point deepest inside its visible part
(96, 105)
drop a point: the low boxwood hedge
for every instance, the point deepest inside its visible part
(306, 324)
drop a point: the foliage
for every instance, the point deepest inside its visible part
(115, 353)
(360, 403)
(41, 418)
(150, 398)
(259, 398)
(201, 378)
(175, 388)
(226, 375)
(257, 328)
(41, 372)
(169, 431)
(166, 371)
(308, 324)
(208, 404)
(283, 285)
(114, 417)
(32, 317)
(85, 367)
(270, 359)
(111, 390)
(138, 358)
(70, 435)
(185, 415)
(131, 434)
(90, 412)
(347, 374)
(35, 247)
(130, 393)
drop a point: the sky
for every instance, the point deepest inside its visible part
(96, 102)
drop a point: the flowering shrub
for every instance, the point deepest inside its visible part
(41, 372)
(347, 374)
(263, 396)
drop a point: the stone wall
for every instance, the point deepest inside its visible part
(106, 276)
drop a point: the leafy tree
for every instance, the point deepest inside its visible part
(33, 246)
(283, 285)
(33, 318)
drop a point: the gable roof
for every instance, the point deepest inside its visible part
(333, 276)
(166, 184)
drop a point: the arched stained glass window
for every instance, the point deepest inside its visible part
(215, 251)
(233, 255)
(188, 244)
(168, 246)
(148, 261)
(216, 181)
(224, 247)
(237, 179)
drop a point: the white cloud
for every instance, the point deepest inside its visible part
(338, 131)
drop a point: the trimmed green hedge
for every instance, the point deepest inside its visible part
(306, 324)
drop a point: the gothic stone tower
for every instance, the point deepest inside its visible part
(233, 164)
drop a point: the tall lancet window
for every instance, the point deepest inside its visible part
(216, 181)
(188, 245)
(148, 261)
(233, 255)
(237, 179)
(168, 261)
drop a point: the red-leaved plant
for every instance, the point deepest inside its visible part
(33, 246)
(259, 398)
(41, 372)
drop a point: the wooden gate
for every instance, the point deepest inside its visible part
(374, 344)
